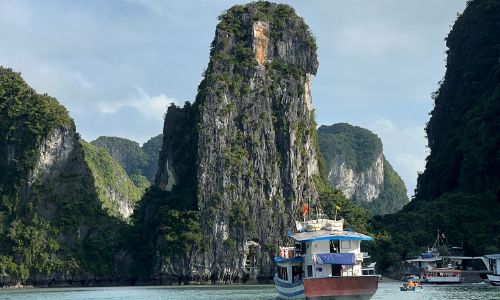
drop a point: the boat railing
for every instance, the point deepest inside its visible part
(320, 224)
(287, 252)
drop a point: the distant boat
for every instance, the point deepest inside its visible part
(494, 266)
(442, 276)
(325, 263)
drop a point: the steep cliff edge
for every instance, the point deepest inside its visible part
(52, 225)
(459, 191)
(355, 164)
(242, 158)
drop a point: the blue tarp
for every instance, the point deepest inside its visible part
(336, 258)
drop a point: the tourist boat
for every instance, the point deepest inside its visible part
(494, 266)
(326, 263)
(442, 276)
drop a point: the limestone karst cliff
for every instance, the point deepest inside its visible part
(355, 164)
(243, 156)
(52, 221)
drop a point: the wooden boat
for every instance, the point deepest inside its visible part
(324, 264)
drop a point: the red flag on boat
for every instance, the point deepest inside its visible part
(305, 209)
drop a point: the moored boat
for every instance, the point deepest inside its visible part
(494, 266)
(443, 276)
(326, 263)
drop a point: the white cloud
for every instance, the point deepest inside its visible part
(149, 106)
(404, 147)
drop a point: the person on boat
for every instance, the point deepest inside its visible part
(411, 285)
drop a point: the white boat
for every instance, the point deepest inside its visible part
(326, 263)
(494, 266)
(442, 276)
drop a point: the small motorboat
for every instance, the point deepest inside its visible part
(410, 286)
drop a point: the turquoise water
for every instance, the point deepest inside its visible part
(386, 291)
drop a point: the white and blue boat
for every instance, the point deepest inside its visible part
(325, 263)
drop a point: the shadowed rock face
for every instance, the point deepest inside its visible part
(254, 140)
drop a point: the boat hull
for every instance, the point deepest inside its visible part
(341, 287)
(288, 290)
(494, 279)
(443, 280)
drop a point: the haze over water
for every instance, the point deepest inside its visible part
(386, 291)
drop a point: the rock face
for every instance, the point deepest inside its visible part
(364, 186)
(251, 136)
(54, 152)
(356, 165)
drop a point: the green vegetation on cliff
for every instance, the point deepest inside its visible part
(458, 193)
(392, 196)
(152, 150)
(27, 118)
(356, 146)
(115, 189)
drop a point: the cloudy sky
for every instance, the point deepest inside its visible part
(116, 65)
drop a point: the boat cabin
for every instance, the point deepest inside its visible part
(493, 263)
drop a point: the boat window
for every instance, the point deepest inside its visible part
(309, 271)
(296, 273)
(334, 246)
(282, 273)
(346, 244)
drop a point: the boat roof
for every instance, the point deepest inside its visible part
(328, 235)
(424, 259)
(493, 256)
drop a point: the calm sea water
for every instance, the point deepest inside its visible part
(390, 290)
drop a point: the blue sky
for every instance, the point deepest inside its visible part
(116, 65)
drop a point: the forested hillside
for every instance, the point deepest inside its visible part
(139, 162)
(53, 227)
(459, 191)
